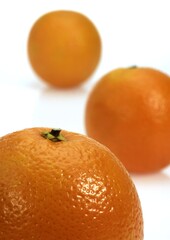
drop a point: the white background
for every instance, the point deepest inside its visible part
(133, 32)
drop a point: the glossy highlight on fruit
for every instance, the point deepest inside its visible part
(64, 48)
(56, 184)
(128, 110)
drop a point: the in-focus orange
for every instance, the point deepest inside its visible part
(61, 185)
(64, 48)
(128, 110)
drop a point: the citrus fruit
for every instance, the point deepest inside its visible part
(61, 185)
(64, 48)
(128, 110)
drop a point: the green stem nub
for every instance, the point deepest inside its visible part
(133, 66)
(54, 135)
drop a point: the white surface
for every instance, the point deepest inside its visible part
(133, 33)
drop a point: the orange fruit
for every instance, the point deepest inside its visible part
(64, 48)
(63, 185)
(128, 110)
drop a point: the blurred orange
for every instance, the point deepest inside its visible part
(128, 110)
(62, 185)
(64, 48)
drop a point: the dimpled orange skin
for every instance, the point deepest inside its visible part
(72, 189)
(129, 111)
(64, 48)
